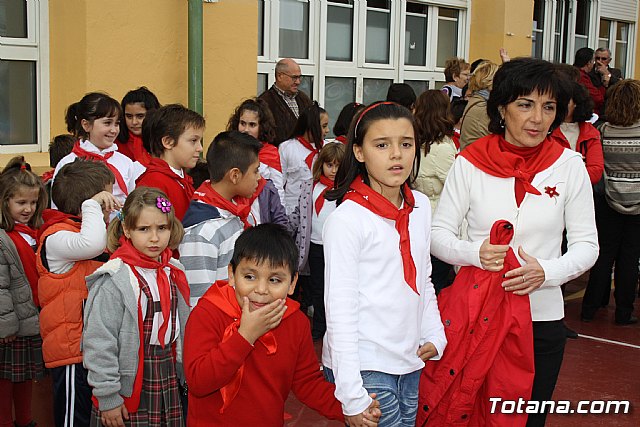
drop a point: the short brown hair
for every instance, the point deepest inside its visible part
(78, 181)
(136, 200)
(15, 175)
(453, 67)
(60, 147)
(332, 152)
(623, 103)
(170, 120)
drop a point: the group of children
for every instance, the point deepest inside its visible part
(148, 283)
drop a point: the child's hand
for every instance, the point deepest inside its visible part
(107, 202)
(256, 323)
(427, 351)
(369, 417)
(114, 417)
(7, 340)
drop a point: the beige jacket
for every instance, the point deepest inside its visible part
(434, 168)
(475, 121)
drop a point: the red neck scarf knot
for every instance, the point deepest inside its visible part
(365, 196)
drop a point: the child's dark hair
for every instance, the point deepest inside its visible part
(92, 106)
(266, 243)
(309, 121)
(170, 120)
(432, 117)
(350, 168)
(231, 149)
(457, 109)
(78, 181)
(345, 117)
(136, 200)
(199, 173)
(143, 96)
(401, 93)
(267, 132)
(333, 152)
(16, 174)
(583, 101)
(60, 147)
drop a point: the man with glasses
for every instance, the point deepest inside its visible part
(602, 75)
(284, 98)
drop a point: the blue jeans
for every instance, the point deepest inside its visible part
(397, 394)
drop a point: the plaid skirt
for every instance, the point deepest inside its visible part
(21, 360)
(160, 398)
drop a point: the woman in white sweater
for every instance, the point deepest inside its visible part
(518, 174)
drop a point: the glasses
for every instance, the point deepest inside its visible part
(294, 78)
(601, 58)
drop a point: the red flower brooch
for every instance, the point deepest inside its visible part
(551, 192)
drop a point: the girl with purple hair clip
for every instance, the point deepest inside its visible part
(135, 316)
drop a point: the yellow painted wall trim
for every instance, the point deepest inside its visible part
(500, 23)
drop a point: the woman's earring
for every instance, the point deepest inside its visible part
(501, 123)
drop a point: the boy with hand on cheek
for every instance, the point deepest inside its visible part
(247, 345)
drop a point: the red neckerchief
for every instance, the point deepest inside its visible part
(130, 255)
(27, 255)
(270, 156)
(137, 149)
(244, 201)
(314, 151)
(342, 139)
(160, 166)
(223, 297)
(54, 216)
(206, 193)
(320, 200)
(365, 196)
(495, 156)
(456, 138)
(47, 176)
(80, 152)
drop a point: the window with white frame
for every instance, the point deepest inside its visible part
(616, 36)
(353, 50)
(622, 43)
(561, 27)
(24, 119)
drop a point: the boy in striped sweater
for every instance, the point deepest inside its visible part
(219, 210)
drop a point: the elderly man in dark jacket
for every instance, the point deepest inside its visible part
(285, 99)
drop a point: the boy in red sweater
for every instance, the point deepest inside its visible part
(173, 136)
(247, 345)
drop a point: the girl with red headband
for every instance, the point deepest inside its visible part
(382, 315)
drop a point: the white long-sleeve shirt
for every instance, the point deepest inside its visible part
(375, 321)
(538, 223)
(125, 166)
(65, 248)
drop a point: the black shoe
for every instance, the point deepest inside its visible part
(632, 320)
(31, 424)
(570, 333)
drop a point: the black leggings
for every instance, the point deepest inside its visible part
(316, 266)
